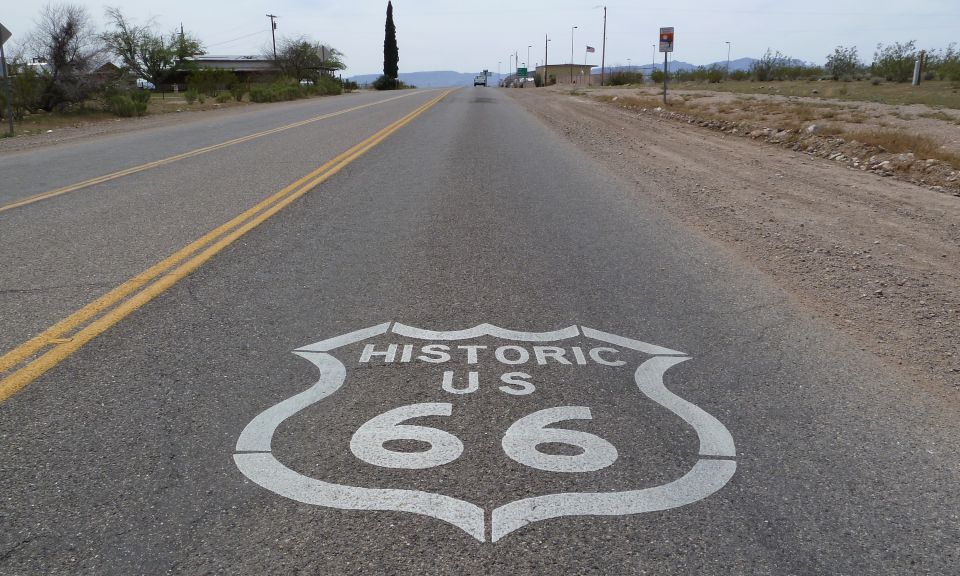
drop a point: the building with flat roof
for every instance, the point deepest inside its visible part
(566, 73)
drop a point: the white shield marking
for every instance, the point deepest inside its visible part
(255, 460)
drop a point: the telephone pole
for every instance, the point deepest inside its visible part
(273, 32)
(603, 53)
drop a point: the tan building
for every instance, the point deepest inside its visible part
(567, 73)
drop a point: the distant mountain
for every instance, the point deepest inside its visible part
(739, 64)
(426, 79)
(451, 78)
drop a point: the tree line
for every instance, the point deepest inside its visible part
(60, 65)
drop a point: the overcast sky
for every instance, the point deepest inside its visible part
(468, 37)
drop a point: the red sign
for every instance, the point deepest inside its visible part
(666, 39)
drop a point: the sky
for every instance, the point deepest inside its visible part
(469, 37)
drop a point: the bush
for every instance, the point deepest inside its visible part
(191, 95)
(657, 76)
(210, 81)
(385, 82)
(224, 98)
(895, 62)
(739, 75)
(127, 105)
(945, 65)
(621, 78)
(237, 91)
(844, 63)
(350, 85)
(327, 86)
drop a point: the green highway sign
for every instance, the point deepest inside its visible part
(522, 72)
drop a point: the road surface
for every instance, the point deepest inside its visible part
(426, 336)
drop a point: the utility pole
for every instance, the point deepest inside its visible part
(571, 53)
(273, 32)
(603, 52)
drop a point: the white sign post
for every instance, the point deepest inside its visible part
(4, 36)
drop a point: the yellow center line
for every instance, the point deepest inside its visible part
(185, 155)
(115, 305)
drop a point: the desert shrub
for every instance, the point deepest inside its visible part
(327, 86)
(945, 65)
(657, 76)
(127, 105)
(224, 98)
(210, 81)
(191, 95)
(739, 75)
(895, 61)
(27, 88)
(621, 78)
(844, 63)
(350, 85)
(385, 82)
(237, 91)
(770, 66)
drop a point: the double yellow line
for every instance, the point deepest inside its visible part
(185, 155)
(34, 357)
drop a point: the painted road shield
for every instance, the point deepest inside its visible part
(546, 407)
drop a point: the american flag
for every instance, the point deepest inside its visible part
(591, 49)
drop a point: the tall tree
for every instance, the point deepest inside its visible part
(66, 41)
(303, 59)
(391, 54)
(147, 53)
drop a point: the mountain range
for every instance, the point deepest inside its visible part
(440, 78)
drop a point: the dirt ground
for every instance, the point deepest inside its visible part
(877, 257)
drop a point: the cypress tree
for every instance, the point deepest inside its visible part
(391, 54)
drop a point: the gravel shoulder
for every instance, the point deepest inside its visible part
(876, 257)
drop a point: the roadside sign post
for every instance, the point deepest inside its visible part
(4, 36)
(666, 46)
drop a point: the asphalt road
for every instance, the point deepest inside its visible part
(465, 351)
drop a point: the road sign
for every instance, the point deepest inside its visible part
(4, 35)
(666, 39)
(522, 72)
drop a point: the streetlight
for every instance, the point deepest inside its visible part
(529, 46)
(571, 53)
(629, 69)
(653, 60)
(499, 79)
(728, 60)
(546, 51)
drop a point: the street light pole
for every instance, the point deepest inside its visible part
(273, 33)
(571, 53)
(529, 46)
(546, 52)
(499, 78)
(728, 60)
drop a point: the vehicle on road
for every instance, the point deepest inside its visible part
(479, 80)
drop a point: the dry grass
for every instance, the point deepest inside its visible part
(941, 115)
(832, 120)
(901, 142)
(933, 93)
